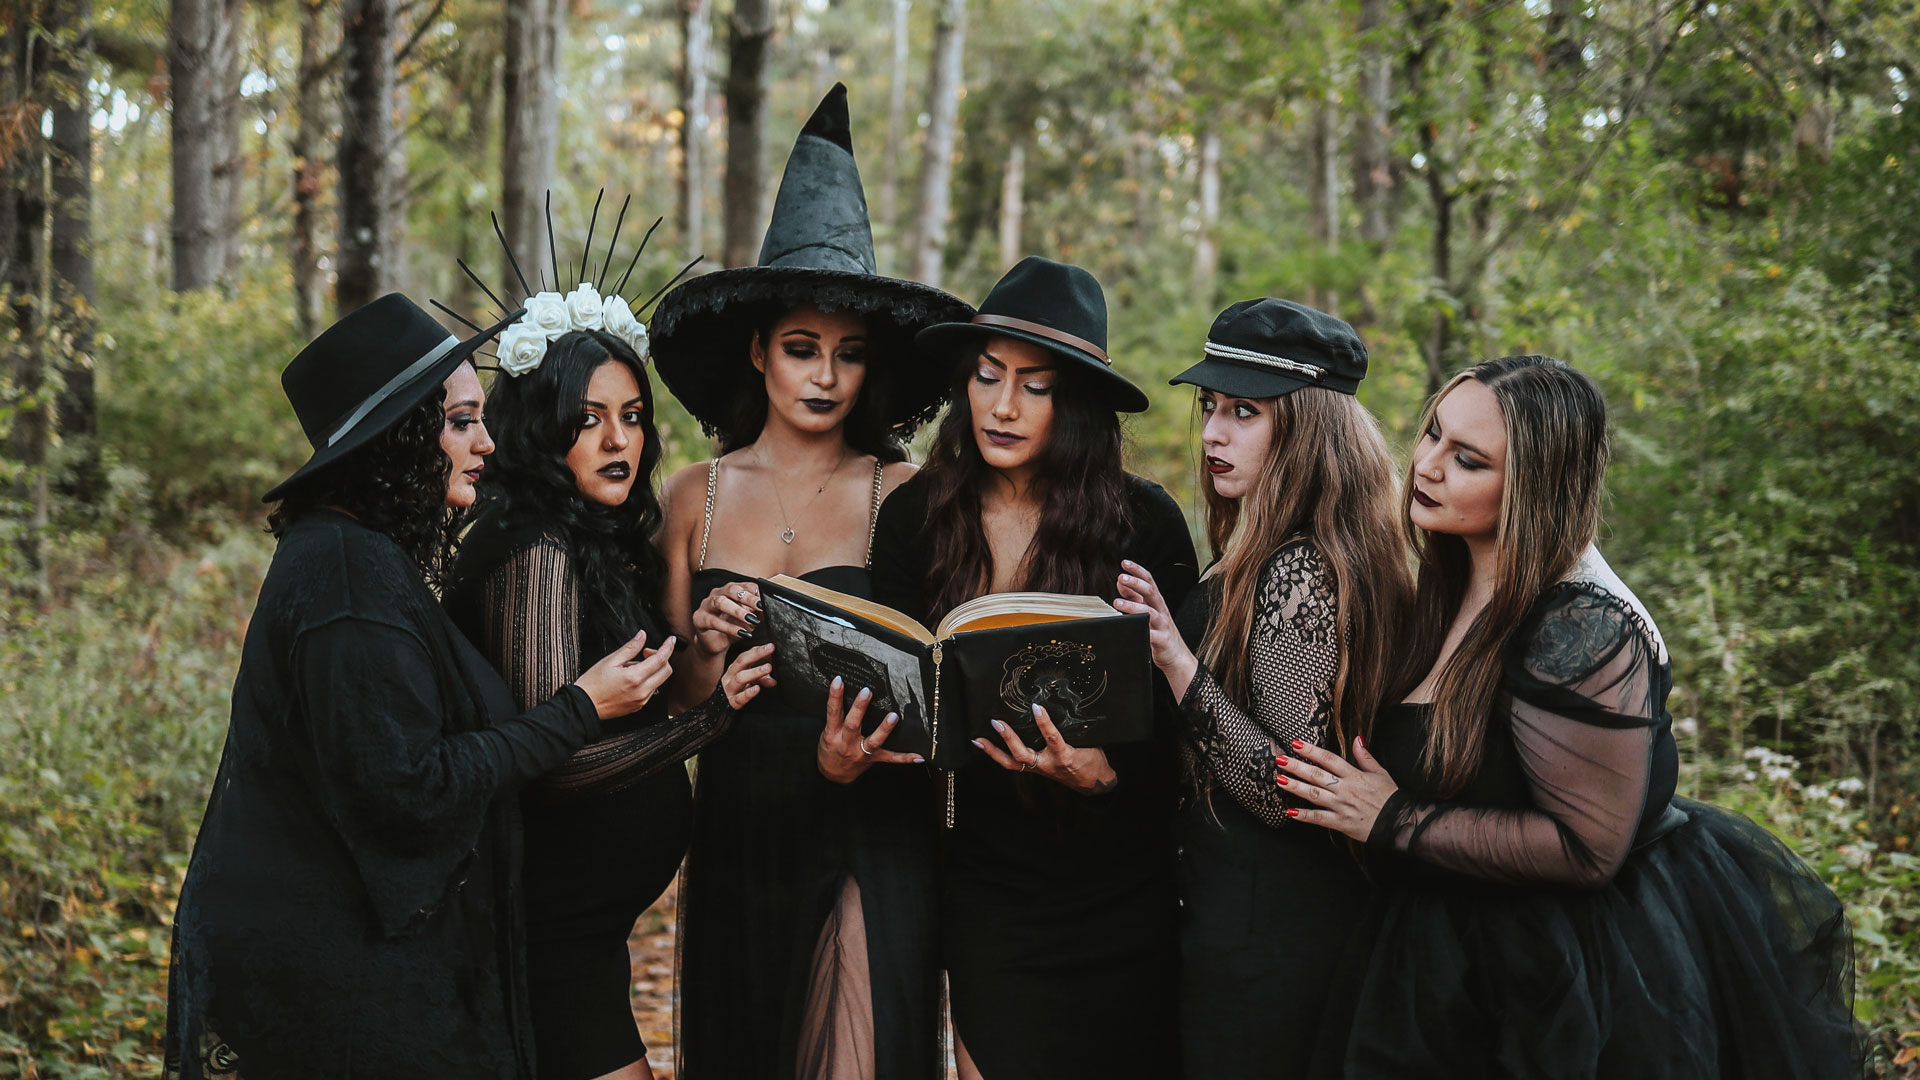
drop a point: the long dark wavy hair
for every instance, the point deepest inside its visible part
(395, 485)
(1557, 453)
(1085, 520)
(535, 419)
(866, 430)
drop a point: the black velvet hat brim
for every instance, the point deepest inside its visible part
(701, 334)
(1117, 392)
(387, 413)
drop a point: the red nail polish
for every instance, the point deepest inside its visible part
(1279, 761)
(1298, 745)
(1283, 781)
(1293, 813)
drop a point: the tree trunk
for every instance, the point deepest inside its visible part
(1323, 192)
(530, 115)
(747, 39)
(71, 245)
(1012, 205)
(1206, 249)
(202, 56)
(26, 291)
(1372, 168)
(366, 140)
(474, 234)
(696, 29)
(309, 167)
(1440, 333)
(889, 203)
(936, 161)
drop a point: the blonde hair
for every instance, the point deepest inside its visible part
(1328, 476)
(1556, 426)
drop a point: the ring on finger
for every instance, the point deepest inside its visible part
(863, 747)
(1026, 766)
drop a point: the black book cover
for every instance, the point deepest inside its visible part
(1091, 672)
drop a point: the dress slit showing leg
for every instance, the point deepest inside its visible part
(836, 1032)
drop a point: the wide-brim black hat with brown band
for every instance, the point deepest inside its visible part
(818, 250)
(362, 374)
(1055, 306)
(1266, 348)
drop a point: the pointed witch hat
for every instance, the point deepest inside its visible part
(818, 250)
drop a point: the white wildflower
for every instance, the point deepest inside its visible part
(1852, 785)
(1687, 726)
(1816, 793)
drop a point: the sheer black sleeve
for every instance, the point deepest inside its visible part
(1295, 658)
(532, 618)
(1582, 672)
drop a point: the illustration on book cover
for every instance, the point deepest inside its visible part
(1065, 678)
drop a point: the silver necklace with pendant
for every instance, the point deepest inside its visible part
(787, 534)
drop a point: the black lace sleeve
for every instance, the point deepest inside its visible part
(532, 618)
(1581, 672)
(1295, 658)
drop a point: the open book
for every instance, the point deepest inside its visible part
(990, 658)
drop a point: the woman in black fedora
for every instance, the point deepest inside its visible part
(807, 944)
(1058, 906)
(1288, 637)
(558, 564)
(351, 906)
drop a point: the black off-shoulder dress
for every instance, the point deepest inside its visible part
(1264, 899)
(351, 906)
(605, 831)
(1565, 915)
(1058, 910)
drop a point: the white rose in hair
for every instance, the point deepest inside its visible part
(583, 308)
(547, 313)
(522, 346)
(619, 320)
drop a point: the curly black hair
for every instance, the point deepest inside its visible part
(536, 418)
(396, 485)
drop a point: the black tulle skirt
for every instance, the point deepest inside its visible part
(1716, 952)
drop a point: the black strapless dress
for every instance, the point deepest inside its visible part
(774, 844)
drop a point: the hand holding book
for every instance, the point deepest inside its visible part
(1140, 595)
(1085, 770)
(843, 752)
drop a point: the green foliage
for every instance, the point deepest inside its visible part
(190, 396)
(113, 705)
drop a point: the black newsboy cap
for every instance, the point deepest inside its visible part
(1265, 348)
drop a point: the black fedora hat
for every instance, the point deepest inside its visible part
(818, 250)
(1265, 348)
(1052, 305)
(363, 373)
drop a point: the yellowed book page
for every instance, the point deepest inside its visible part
(880, 613)
(1021, 609)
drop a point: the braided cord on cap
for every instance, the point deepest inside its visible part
(1228, 352)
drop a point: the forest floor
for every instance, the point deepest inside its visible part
(650, 959)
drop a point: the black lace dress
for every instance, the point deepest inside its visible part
(1264, 899)
(351, 906)
(605, 831)
(1565, 915)
(800, 892)
(1058, 910)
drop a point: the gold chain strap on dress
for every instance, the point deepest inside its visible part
(706, 530)
(873, 512)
